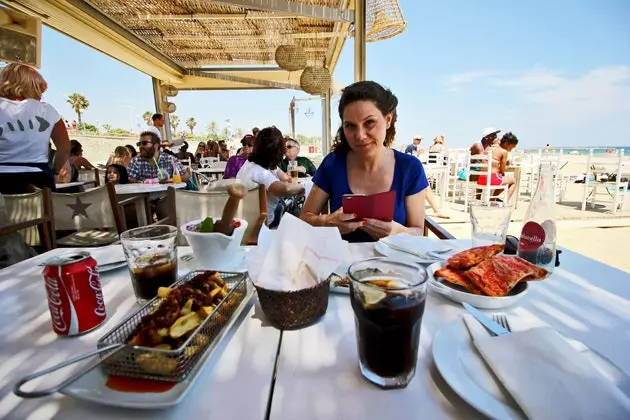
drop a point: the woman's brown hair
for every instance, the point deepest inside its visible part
(381, 97)
(269, 148)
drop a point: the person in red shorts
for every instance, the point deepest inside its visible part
(497, 177)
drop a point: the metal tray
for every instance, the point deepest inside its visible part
(171, 365)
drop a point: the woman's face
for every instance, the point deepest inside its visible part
(112, 175)
(365, 126)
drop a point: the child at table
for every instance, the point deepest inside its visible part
(116, 174)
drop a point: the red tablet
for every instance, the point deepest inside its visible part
(378, 206)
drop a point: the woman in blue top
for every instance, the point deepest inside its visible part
(362, 162)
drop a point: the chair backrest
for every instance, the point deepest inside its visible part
(207, 162)
(93, 209)
(480, 164)
(90, 176)
(186, 162)
(186, 206)
(436, 158)
(25, 212)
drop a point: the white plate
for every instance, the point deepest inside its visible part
(103, 268)
(387, 251)
(91, 386)
(465, 371)
(457, 294)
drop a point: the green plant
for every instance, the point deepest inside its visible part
(79, 103)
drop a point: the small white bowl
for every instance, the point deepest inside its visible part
(457, 294)
(214, 249)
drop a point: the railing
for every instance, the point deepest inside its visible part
(431, 226)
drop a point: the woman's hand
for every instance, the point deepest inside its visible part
(343, 221)
(301, 169)
(378, 229)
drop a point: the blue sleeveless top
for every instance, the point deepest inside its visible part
(409, 179)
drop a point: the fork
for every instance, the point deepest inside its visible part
(502, 320)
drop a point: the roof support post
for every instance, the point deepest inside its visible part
(359, 40)
(158, 97)
(326, 132)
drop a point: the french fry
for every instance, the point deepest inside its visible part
(205, 311)
(184, 324)
(163, 292)
(187, 308)
(191, 351)
(156, 363)
(223, 292)
(218, 280)
(215, 292)
(163, 346)
(202, 339)
(163, 332)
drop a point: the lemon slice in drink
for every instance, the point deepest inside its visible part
(372, 296)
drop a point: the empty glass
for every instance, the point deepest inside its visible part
(489, 223)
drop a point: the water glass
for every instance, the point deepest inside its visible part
(489, 223)
(387, 297)
(151, 253)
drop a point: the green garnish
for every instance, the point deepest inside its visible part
(207, 226)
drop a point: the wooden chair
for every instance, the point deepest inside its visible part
(186, 162)
(91, 177)
(95, 216)
(431, 226)
(31, 215)
(611, 188)
(184, 206)
(208, 162)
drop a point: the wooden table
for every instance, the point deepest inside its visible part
(233, 385)
(315, 368)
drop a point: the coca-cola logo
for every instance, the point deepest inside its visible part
(532, 237)
(55, 304)
(95, 283)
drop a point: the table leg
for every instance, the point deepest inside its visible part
(141, 211)
(517, 176)
(443, 187)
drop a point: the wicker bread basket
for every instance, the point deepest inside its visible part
(295, 309)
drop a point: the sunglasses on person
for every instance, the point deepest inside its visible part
(291, 147)
(144, 143)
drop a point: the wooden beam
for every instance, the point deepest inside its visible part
(241, 50)
(292, 8)
(271, 36)
(219, 16)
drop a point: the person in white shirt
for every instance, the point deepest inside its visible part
(262, 168)
(26, 126)
(158, 123)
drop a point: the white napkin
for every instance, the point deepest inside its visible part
(296, 256)
(547, 377)
(108, 254)
(417, 244)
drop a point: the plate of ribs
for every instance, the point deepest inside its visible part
(484, 277)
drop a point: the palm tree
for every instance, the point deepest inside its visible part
(174, 121)
(191, 123)
(147, 117)
(239, 133)
(79, 103)
(226, 132)
(107, 128)
(212, 128)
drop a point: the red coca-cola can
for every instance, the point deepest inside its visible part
(75, 297)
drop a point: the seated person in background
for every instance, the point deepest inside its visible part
(489, 136)
(132, 150)
(201, 151)
(121, 156)
(362, 162)
(412, 149)
(145, 165)
(262, 168)
(235, 163)
(508, 143)
(438, 145)
(224, 152)
(305, 166)
(116, 174)
(76, 156)
(185, 154)
(497, 177)
(213, 149)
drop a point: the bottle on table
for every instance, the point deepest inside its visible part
(538, 236)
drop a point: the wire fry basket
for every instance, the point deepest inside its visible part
(170, 365)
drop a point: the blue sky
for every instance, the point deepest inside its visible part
(550, 71)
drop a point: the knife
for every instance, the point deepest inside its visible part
(492, 326)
